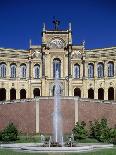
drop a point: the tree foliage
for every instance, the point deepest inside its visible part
(80, 131)
(10, 133)
(100, 130)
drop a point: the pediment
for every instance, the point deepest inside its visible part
(76, 54)
(36, 54)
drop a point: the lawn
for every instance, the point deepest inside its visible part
(100, 152)
(37, 139)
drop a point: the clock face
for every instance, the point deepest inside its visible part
(56, 43)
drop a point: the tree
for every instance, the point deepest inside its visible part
(80, 131)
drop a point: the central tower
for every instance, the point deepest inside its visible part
(56, 55)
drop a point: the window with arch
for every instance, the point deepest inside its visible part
(22, 94)
(59, 92)
(77, 92)
(13, 70)
(76, 71)
(36, 71)
(36, 92)
(2, 70)
(110, 69)
(13, 94)
(57, 67)
(100, 94)
(91, 93)
(2, 94)
(23, 69)
(90, 70)
(111, 93)
(100, 70)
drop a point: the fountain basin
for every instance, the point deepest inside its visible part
(37, 147)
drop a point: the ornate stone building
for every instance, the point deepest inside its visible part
(83, 73)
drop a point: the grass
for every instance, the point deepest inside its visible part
(37, 139)
(100, 152)
(28, 139)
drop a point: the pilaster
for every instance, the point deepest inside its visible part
(106, 69)
(76, 109)
(8, 70)
(37, 115)
(7, 94)
(86, 69)
(95, 70)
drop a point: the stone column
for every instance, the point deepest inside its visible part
(43, 61)
(27, 70)
(18, 93)
(86, 69)
(95, 91)
(76, 109)
(106, 69)
(18, 70)
(115, 68)
(37, 115)
(95, 70)
(7, 94)
(69, 60)
(8, 70)
(83, 68)
(105, 93)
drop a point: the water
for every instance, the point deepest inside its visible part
(57, 117)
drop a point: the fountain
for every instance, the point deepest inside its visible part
(57, 137)
(57, 116)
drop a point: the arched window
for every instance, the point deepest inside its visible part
(111, 93)
(13, 71)
(77, 92)
(2, 70)
(56, 67)
(76, 71)
(23, 71)
(37, 71)
(91, 93)
(2, 94)
(13, 94)
(60, 90)
(22, 94)
(100, 70)
(100, 94)
(90, 70)
(36, 92)
(110, 69)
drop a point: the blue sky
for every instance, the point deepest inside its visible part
(92, 20)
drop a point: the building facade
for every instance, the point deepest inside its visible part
(84, 73)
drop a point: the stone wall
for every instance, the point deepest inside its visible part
(90, 110)
(21, 114)
(46, 111)
(36, 116)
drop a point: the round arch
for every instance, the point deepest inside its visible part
(22, 94)
(111, 93)
(13, 94)
(90, 93)
(2, 94)
(36, 92)
(77, 92)
(100, 94)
